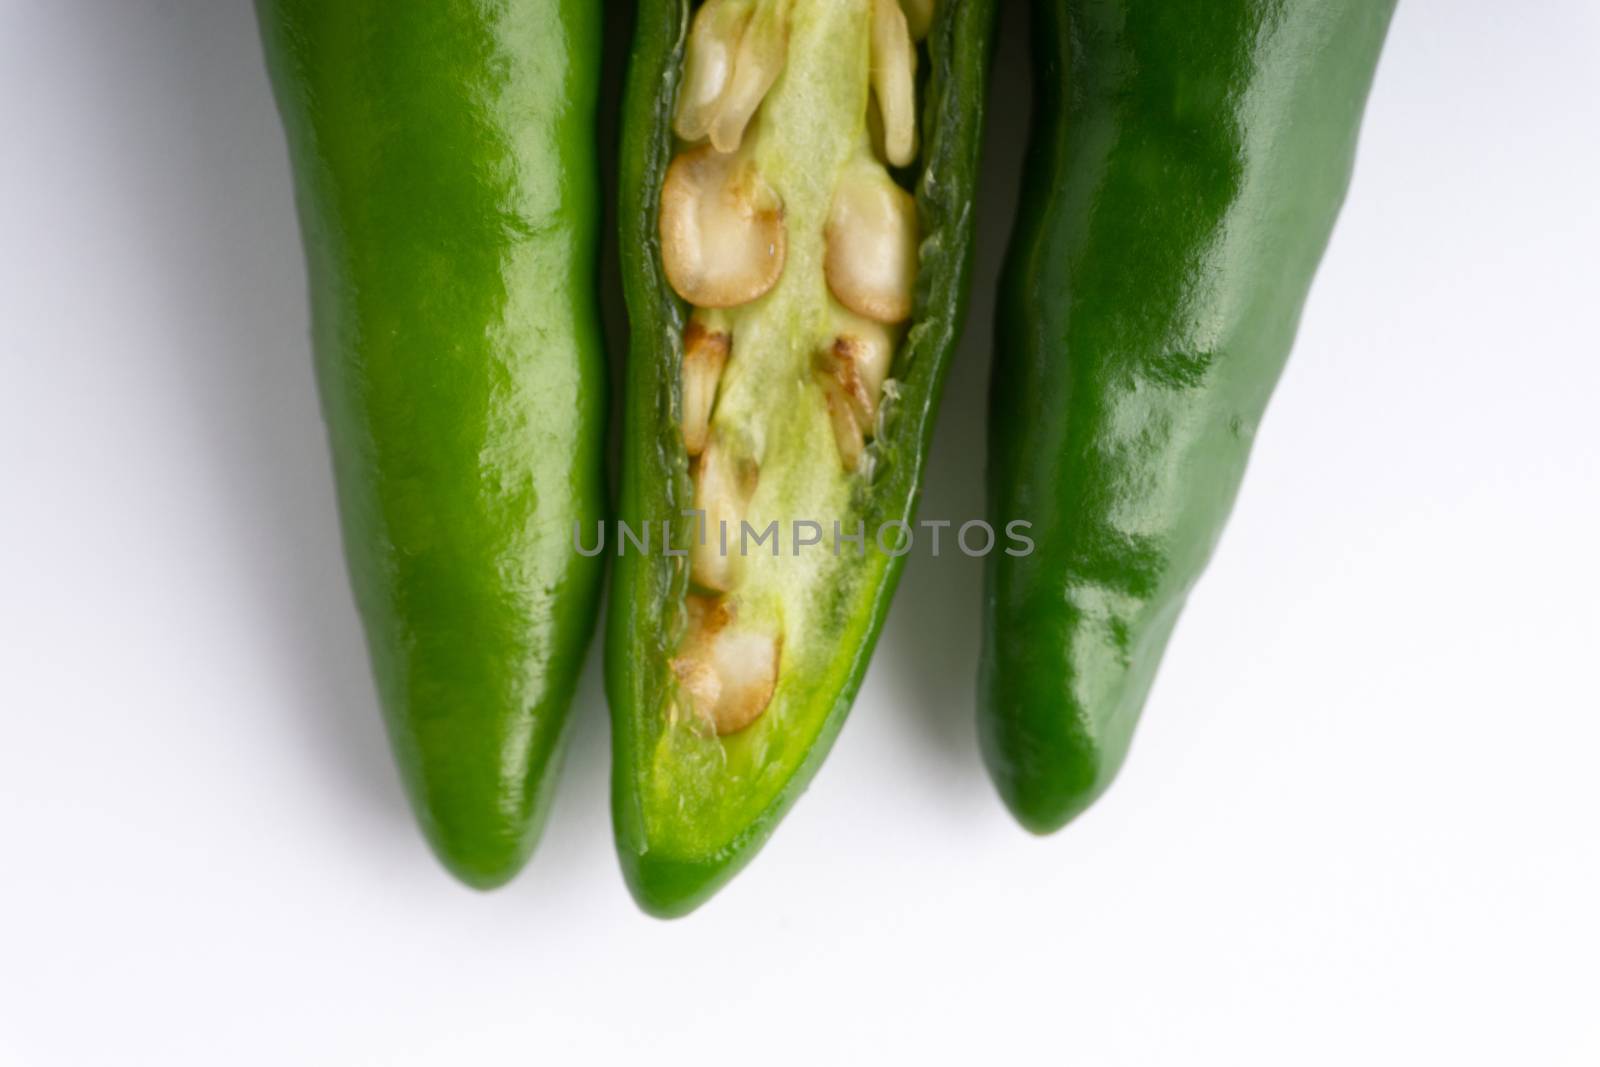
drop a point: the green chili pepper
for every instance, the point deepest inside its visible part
(446, 180)
(1186, 165)
(793, 307)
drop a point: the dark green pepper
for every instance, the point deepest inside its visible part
(1186, 166)
(793, 308)
(446, 179)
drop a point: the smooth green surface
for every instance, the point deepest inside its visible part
(684, 824)
(1186, 166)
(444, 154)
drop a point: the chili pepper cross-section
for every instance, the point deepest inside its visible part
(796, 185)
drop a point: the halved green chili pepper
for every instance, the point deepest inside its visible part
(793, 308)
(1186, 166)
(446, 182)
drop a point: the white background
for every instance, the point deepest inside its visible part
(1358, 826)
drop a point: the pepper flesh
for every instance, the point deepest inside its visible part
(698, 782)
(445, 174)
(1186, 166)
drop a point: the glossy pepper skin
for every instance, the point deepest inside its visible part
(666, 877)
(1186, 166)
(444, 155)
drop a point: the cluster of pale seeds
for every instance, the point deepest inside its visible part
(724, 239)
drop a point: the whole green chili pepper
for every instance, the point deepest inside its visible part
(1186, 165)
(793, 308)
(446, 180)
